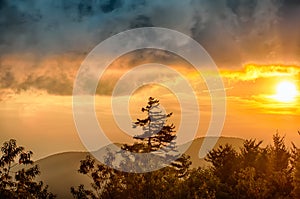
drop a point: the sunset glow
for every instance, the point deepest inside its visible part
(254, 44)
(286, 92)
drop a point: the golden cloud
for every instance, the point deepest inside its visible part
(252, 72)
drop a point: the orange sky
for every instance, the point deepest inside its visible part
(255, 45)
(34, 116)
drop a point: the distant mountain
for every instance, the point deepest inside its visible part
(195, 146)
(59, 171)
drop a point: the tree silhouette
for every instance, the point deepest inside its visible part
(253, 171)
(163, 183)
(157, 135)
(296, 165)
(296, 191)
(250, 175)
(17, 174)
(201, 183)
(224, 162)
(107, 182)
(280, 179)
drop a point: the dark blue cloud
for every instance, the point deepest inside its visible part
(141, 21)
(246, 6)
(111, 5)
(232, 31)
(291, 2)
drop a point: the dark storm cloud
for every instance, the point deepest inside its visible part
(141, 21)
(239, 31)
(61, 26)
(18, 80)
(246, 7)
(53, 85)
(7, 79)
(291, 2)
(232, 31)
(111, 5)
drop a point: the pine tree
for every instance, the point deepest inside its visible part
(225, 162)
(296, 165)
(136, 183)
(157, 135)
(280, 177)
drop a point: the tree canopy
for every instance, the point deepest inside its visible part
(253, 171)
(18, 173)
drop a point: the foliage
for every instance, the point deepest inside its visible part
(107, 182)
(19, 183)
(280, 179)
(295, 161)
(253, 171)
(201, 183)
(157, 134)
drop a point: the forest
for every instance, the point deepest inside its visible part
(253, 171)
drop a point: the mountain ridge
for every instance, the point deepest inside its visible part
(59, 170)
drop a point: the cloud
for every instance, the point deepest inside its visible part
(262, 104)
(43, 43)
(56, 74)
(235, 32)
(232, 31)
(252, 72)
(254, 86)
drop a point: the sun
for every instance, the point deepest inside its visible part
(286, 92)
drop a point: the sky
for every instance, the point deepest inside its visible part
(255, 44)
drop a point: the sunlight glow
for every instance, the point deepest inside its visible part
(286, 92)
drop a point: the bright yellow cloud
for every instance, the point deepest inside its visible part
(257, 88)
(252, 72)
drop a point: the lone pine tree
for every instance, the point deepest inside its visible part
(157, 135)
(136, 183)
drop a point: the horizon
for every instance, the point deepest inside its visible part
(263, 144)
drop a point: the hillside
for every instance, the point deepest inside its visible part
(196, 145)
(59, 171)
